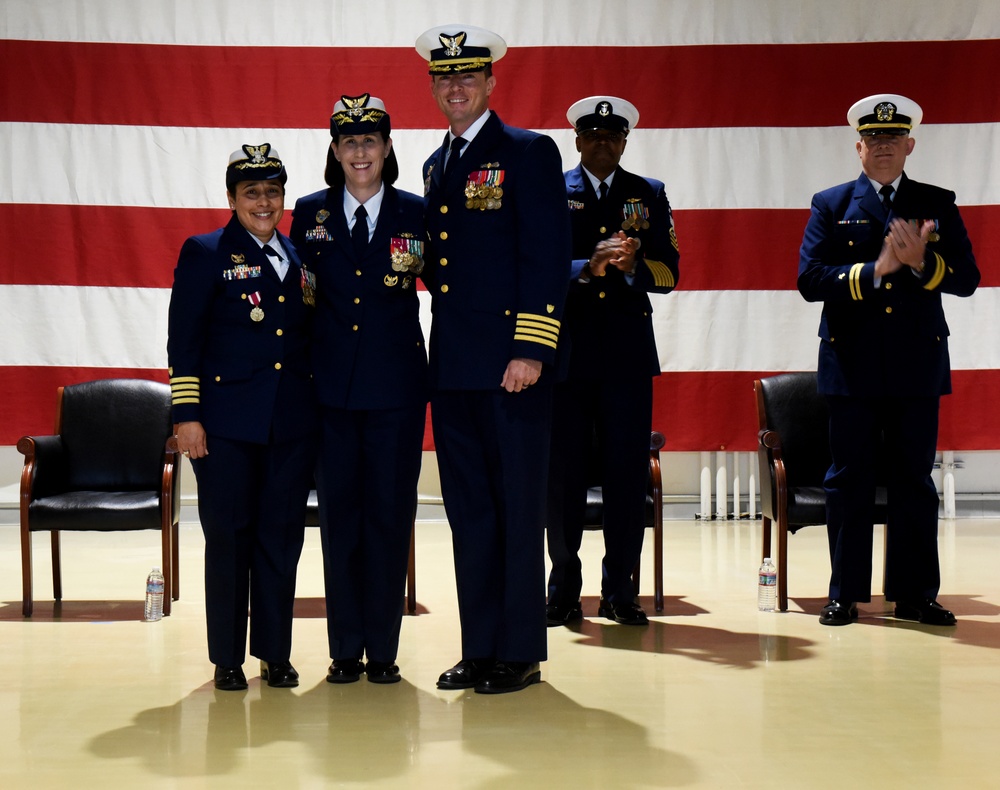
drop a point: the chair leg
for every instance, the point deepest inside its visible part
(765, 538)
(176, 563)
(411, 572)
(782, 568)
(27, 603)
(56, 567)
(166, 550)
(658, 564)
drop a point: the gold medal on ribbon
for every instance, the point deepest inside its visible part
(256, 314)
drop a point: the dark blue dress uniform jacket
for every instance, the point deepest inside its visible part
(891, 340)
(242, 379)
(369, 351)
(498, 275)
(608, 321)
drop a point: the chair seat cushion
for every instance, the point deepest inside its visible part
(103, 511)
(807, 506)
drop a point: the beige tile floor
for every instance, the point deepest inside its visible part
(712, 694)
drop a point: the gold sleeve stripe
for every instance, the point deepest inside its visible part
(540, 341)
(521, 317)
(938, 276)
(536, 331)
(673, 239)
(185, 389)
(662, 276)
(854, 278)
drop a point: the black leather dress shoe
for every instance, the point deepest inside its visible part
(345, 670)
(926, 612)
(382, 672)
(625, 613)
(230, 679)
(838, 613)
(279, 674)
(466, 673)
(557, 614)
(509, 676)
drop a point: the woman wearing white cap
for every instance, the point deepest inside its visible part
(363, 239)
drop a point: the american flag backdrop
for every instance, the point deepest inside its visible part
(117, 118)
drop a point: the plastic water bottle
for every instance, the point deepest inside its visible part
(154, 595)
(767, 581)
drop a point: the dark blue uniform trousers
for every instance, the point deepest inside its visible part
(619, 411)
(252, 506)
(493, 451)
(907, 430)
(367, 487)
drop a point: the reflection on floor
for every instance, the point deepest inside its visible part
(711, 694)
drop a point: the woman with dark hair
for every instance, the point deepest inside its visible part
(245, 415)
(364, 241)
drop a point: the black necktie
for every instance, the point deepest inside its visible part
(886, 193)
(453, 157)
(604, 191)
(359, 233)
(276, 259)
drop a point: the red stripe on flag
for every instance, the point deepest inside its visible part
(30, 395)
(118, 246)
(688, 86)
(695, 411)
(717, 411)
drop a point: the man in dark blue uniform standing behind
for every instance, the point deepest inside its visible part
(624, 247)
(498, 260)
(879, 252)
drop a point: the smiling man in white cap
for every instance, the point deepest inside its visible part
(879, 252)
(624, 247)
(498, 258)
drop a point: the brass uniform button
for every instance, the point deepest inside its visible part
(603, 229)
(888, 286)
(444, 289)
(888, 309)
(602, 294)
(281, 298)
(218, 378)
(277, 366)
(243, 296)
(355, 327)
(357, 272)
(279, 333)
(356, 300)
(444, 261)
(444, 209)
(444, 235)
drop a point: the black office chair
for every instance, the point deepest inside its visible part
(594, 513)
(793, 454)
(106, 469)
